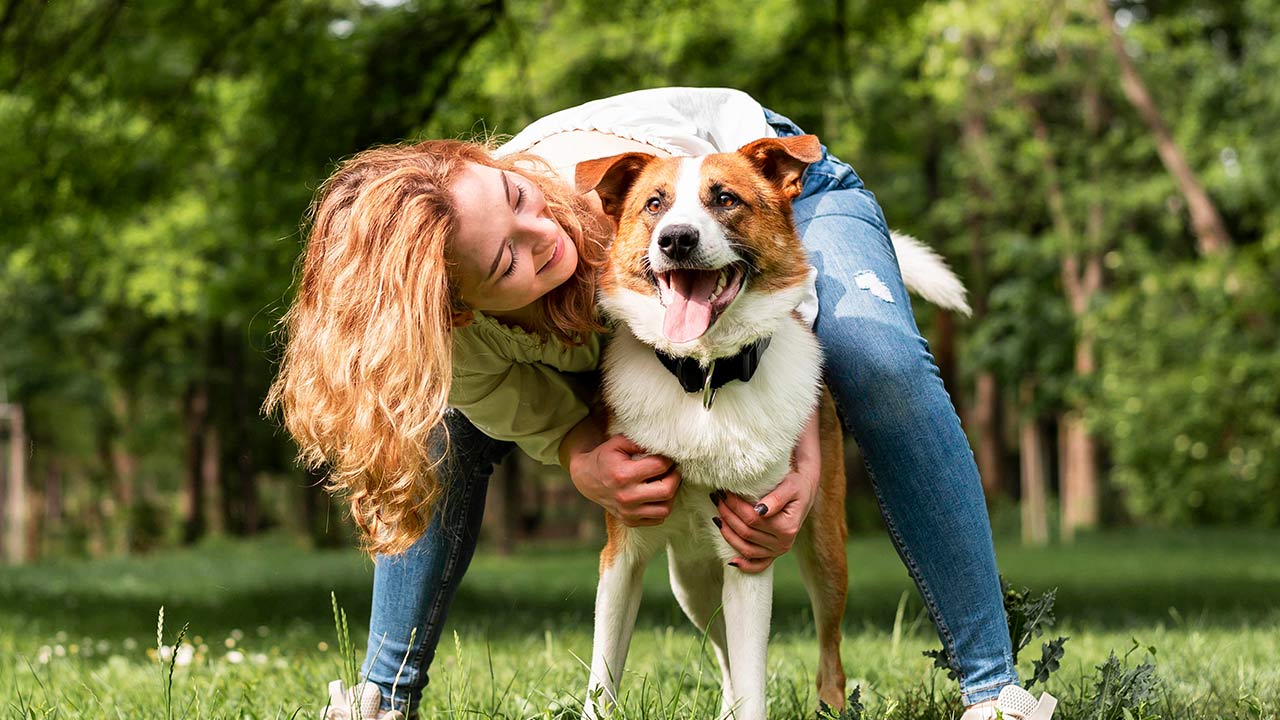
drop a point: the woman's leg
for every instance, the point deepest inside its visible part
(891, 398)
(412, 592)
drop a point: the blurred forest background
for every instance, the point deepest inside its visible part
(1103, 175)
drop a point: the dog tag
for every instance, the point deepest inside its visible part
(708, 392)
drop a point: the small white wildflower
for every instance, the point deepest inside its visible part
(185, 654)
(237, 633)
(229, 642)
(130, 644)
(235, 657)
(259, 658)
(59, 651)
(45, 655)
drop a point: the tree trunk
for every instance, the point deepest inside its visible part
(1079, 477)
(1034, 476)
(985, 413)
(242, 444)
(1211, 233)
(195, 406)
(16, 486)
(1079, 453)
(216, 500)
(502, 506)
(1080, 486)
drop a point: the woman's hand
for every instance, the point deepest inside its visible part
(619, 476)
(764, 530)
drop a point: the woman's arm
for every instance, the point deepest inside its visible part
(618, 475)
(763, 531)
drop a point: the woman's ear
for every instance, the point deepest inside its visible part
(611, 178)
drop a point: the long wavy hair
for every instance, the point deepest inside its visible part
(367, 353)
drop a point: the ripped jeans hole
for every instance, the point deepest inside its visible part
(867, 280)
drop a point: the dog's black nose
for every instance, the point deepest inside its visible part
(678, 241)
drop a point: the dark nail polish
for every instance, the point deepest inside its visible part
(717, 521)
(733, 564)
(715, 499)
(762, 509)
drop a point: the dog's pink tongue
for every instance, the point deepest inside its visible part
(689, 313)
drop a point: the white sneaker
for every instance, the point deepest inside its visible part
(362, 702)
(1014, 703)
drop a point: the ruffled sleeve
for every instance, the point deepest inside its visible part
(514, 386)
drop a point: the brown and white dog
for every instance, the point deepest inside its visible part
(706, 272)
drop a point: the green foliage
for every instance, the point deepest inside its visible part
(1190, 387)
(1126, 693)
(158, 159)
(853, 708)
(1050, 661)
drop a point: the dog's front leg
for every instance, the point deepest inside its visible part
(622, 566)
(748, 609)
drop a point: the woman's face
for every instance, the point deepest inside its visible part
(509, 250)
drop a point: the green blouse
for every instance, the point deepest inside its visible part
(515, 385)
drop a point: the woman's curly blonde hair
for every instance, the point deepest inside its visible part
(367, 362)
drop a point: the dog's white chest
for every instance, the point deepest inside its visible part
(743, 443)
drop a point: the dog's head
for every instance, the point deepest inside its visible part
(706, 258)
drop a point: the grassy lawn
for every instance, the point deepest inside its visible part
(77, 638)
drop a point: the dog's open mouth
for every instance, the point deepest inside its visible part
(695, 298)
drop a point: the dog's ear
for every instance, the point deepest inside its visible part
(611, 178)
(782, 160)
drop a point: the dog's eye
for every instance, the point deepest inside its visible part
(653, 205)
(727, 200)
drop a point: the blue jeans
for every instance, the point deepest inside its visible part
(890, 397)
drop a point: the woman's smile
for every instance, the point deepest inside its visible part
(556, 254)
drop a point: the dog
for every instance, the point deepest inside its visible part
(711, 365)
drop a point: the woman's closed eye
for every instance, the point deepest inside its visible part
(511, 269)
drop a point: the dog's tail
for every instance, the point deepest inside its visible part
(926, 274)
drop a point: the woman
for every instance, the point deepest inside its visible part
(446, 293)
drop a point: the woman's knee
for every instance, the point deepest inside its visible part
(884, 367)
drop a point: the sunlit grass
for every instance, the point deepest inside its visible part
(77, 639)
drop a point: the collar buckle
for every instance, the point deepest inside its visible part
(709, 390)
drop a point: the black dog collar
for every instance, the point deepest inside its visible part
(694, 377)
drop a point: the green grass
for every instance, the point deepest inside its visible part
(77, 638)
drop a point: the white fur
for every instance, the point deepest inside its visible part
(742, 444)
(714, 248)
(926, 274)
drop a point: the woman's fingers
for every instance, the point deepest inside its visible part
(645, 515)
(745, 520)
(746, 548)
(747, 565)
(660, 490)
